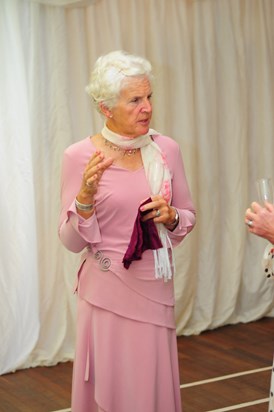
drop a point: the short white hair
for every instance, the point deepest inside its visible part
(109, 74)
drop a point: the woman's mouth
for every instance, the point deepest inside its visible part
(144, 122)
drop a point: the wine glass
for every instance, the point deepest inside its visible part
(265, 190)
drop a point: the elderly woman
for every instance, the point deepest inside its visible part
(260, 222)
(126, 204)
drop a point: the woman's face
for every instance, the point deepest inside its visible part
(132, 114)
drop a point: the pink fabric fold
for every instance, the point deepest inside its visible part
(144, 236)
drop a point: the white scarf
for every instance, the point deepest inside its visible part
(158, 176)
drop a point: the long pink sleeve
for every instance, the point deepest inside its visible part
(74, 231)
(181, 198)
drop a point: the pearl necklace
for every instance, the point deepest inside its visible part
(127, 152)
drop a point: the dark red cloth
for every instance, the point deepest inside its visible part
(144, 236)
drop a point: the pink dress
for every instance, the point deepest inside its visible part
(126, 352)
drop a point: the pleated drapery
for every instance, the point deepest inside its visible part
(214, 94)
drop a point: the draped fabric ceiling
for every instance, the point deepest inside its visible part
(213, 62)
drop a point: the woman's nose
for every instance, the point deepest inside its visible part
(147, 106)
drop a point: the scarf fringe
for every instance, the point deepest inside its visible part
(164, 262)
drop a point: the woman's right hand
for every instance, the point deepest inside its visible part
(260, 220)
(91, 177)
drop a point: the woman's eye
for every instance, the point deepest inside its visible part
(137, 100)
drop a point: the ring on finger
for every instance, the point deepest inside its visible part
(250, 223)
(158, 213)
(88, 184)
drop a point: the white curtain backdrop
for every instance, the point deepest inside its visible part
(214, 94)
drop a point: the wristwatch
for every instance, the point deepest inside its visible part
(175, 221)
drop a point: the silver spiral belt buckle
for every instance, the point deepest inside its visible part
(104, 262)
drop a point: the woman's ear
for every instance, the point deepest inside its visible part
(105, 110)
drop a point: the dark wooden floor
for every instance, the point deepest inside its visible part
(232, 350)
(241, 353)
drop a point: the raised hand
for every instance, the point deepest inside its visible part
(91, 177)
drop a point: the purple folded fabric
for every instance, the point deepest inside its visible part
(144, 236)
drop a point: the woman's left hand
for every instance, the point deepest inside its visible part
(159, 210)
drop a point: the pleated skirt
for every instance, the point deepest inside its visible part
(122, 364)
